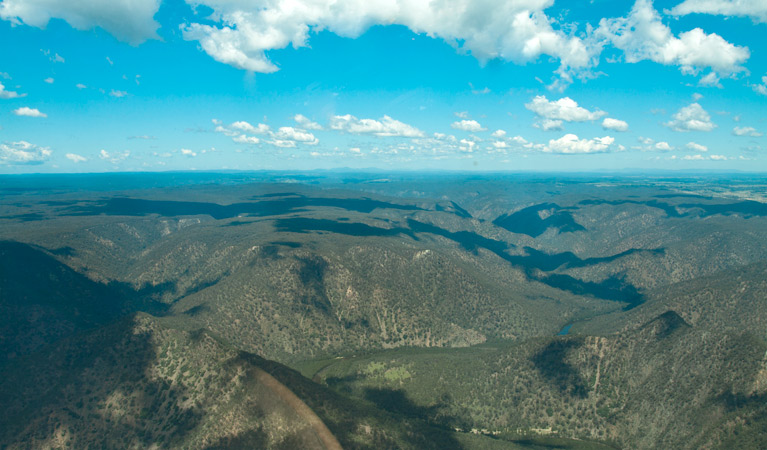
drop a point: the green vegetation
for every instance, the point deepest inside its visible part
(414, 312)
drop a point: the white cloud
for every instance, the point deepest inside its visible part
(113, 157)
(570, 144)
(746, 131)
(516, 31)
(189, 153)
(29, 112)
(76, 158)
(718, 157)
(49, 80)
(498, 134)
(9, 94)
(549, 125)
(130, 21)
(697, 147)
(663, 146)
(23, 153)
(284, 143)
(691, 118)
(306, 123)
(755, 9)
(386, 126)
(117, 94)
(248, 128)
(467, 125)
(552, 113)
(614, 124)
(693, 158)
(462, 114)
(80, 86)
(245, 139)
(642, 36)
(295, 134)
(758, 88)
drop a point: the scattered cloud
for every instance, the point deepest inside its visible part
(246, 127)
(9, 94)
(29, 112)
(614, 124)
(49, 80)
(467, 125)
(386, 126)
(52, 56)
(76, 158)
(517, 31)
(306, 123)
(643, 36)
(462, 114)
(551, 114)
(697, 147)
(498, 134)
(23, 153)
(245, 139)
(117, 94)
(663, 146)
(755, 9)
(188, 153)
(571, 144)
(758, 88)
(746, 131)
(80, 86)
(113, 157)
(130, 21)
(691, 118)
(295, 134)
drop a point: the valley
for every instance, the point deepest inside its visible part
(371, 310)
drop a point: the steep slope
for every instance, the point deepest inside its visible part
(138, 383)
(665, 384)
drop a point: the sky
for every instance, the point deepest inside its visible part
(487, 85)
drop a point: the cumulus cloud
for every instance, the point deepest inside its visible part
(498, 133)
(283, 137)
(29, 112)
(296, 135)
(467, 125)
(386, 126)
(23, 153)
(248, 128)
(642, 36)
(551, 114)
(663, 146)
(691, 118)
(114, 158)
(128, 20)
(188, 153)
(755, 9)
(697, 147)
(74, 157)
(9, 94)
(570, 144)
(517, 31)
(245, 139)
(746, 131)
(758, 88)
(306, 123)
(614, 124)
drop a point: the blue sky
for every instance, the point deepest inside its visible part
(150, 85)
